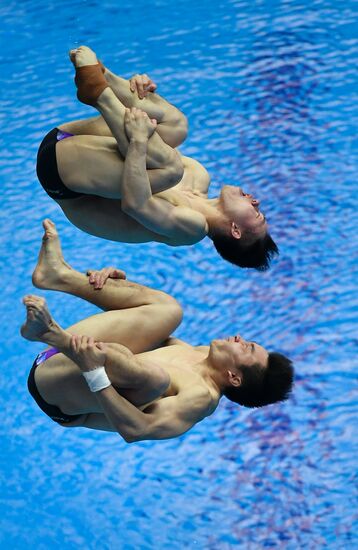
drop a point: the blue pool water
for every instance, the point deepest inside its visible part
(270, 90)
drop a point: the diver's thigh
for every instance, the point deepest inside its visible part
(90, 165)
(139, 329)
(94, 126)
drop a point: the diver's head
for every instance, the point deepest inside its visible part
(242, 236)
(249, 374)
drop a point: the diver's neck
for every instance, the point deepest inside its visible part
(210, 208)
(213, 377)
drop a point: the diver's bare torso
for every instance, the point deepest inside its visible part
(178, 359)
(104, 218)
(58, 378)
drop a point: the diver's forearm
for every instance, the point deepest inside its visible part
(135, 187)
(127, 420)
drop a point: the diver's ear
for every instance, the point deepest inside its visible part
(235, 231)
(235, 379)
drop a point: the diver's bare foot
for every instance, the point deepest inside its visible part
(72, 56)
(39, 324)
(51, 266)
(83, 56)
(89, 78)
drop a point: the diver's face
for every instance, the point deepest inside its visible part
(235, 352)
(243, 210)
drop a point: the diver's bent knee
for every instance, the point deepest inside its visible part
(171, 304)
(175, 169)
(176, 313)
(166, 306)
(181, 129)
(173, 313)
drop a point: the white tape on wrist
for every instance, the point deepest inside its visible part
(97, 379)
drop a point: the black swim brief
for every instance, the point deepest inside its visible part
(51, 410)
(47, 170)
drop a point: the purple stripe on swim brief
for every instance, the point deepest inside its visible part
(45, 355)
(63, 135)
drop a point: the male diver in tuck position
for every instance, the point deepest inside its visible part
(118, 176)
(127, 374)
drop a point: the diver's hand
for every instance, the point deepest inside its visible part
(87, 353)
(142, 84)
(98, 278)
(138, 125)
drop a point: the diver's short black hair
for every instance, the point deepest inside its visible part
(257, 255)
(260, 386)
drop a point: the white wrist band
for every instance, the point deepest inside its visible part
(97, 379)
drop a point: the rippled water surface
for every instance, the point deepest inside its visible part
(270, 90)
